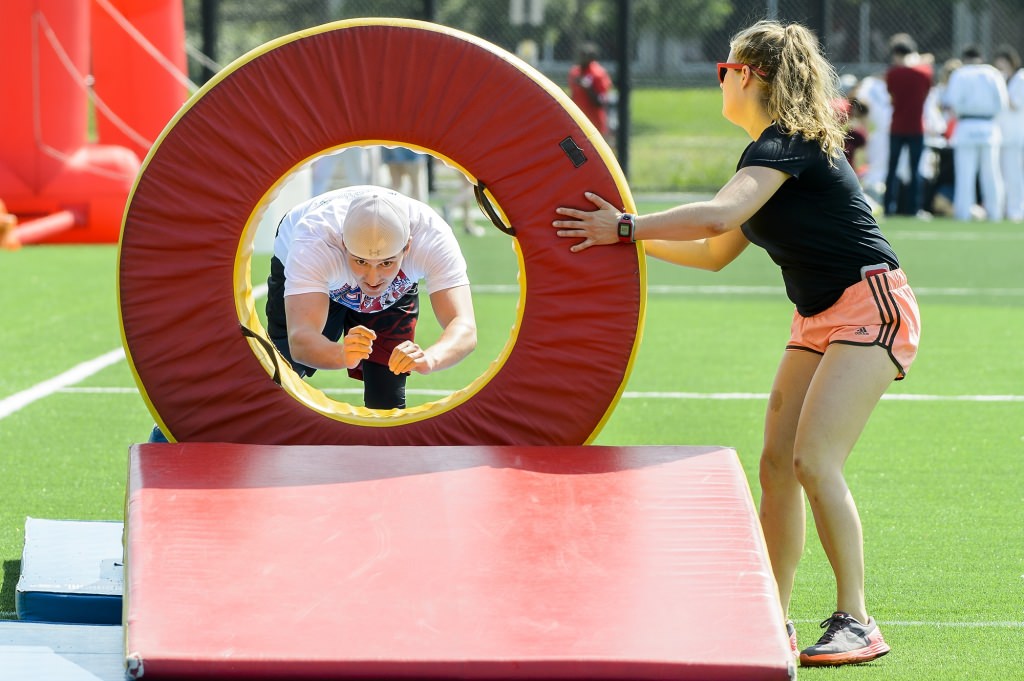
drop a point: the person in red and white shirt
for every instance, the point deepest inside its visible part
(343, 290)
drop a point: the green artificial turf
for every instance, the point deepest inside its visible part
(937, 473)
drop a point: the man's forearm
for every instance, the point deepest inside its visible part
(316, 351)
(456, 341)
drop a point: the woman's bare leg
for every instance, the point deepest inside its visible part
(844, 390)
(783, 518)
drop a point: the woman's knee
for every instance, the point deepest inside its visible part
(776, 468)
(815, 471)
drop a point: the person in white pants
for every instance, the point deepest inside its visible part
(1011, 126)
(976, 94)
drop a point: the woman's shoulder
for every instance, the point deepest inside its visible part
(775, 140)
(789, 152)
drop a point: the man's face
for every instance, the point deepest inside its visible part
(374, 276)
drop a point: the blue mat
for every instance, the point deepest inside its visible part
(71, 571)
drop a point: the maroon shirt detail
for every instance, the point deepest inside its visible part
(908, 88)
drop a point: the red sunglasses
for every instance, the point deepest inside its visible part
(723, 67)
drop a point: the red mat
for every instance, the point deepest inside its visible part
(248, 561)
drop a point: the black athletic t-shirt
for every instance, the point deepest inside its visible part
(818, 226)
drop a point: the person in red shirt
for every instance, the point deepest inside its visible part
(590, 86)
(909, 79)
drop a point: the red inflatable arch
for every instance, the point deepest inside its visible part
(63, 187)
(184, 285)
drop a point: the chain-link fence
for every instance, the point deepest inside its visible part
(644, 43)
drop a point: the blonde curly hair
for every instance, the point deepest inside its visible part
(800, 84)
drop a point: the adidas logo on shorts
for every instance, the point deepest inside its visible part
(861, 332)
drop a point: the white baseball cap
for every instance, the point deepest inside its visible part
(375, 228)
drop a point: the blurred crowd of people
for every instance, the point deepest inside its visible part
(944, 140)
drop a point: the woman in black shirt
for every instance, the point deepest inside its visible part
(855, 328)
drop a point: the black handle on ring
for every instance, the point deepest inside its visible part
(268, 346)
(488, 209)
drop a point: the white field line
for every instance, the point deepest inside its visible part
(74, 375)
(632, 395)
(951, 624)
(65, 381)
(926, 235)
(670, 289)
(900, 397)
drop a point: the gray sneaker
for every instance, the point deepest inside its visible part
(845, 641)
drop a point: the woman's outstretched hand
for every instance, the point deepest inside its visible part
(596, 227)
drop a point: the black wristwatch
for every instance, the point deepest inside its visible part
(627, 228)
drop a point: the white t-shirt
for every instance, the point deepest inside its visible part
(309, 244)
(976, 91)
(977, 94)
